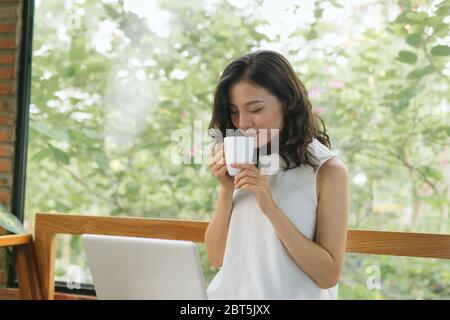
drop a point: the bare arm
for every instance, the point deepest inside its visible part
(322, 260)
(217, 231)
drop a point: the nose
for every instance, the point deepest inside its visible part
(245, 121)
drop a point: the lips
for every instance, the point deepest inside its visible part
(251, 133)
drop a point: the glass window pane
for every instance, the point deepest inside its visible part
(122, 93)
(389, 277)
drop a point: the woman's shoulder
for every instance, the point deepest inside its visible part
(323, 153)
(334, 171)
(318, 149)
(334, 165)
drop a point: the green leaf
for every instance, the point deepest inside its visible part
(403, 98)
(371, 60)
(362, 69)
(444, 10)
(44, 153)
(401, 18)
(390, 74)
(370, 57)
(46, 129)
(417, 16)
(430, 172)
(441, 31)
(405, 3)
(60, 155)
(9, 222)
(42, 127)
(418, 73)
(311, 34)
(414, 40)
(100, 159)
(436, 200)
(434, 21)
(440, 28)
(93, 134)
(336, 4)
(440, 50)
(407, 57)
(318, 13)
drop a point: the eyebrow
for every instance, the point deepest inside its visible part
(248, 103)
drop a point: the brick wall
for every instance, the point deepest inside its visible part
(10, 32)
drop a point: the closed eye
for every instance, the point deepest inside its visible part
(252, 111)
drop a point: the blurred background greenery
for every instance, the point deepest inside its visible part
(113, 79)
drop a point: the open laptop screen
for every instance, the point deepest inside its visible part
(144, 268)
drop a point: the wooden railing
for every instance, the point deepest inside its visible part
(48, 225)
(26, 264)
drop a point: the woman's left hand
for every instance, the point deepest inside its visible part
(250, 178)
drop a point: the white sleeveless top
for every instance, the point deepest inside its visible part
(256, 264)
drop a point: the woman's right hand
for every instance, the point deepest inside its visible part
(219, 169)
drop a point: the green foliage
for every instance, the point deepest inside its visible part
(407, 57)
(102, 117)
(9, 222)
(440, 50)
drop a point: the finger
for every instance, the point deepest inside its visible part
(217, 166)
(246, 180)
(212, 163)
(244, 173)
(249, 166)
(217, 158)
(214, 159)
(221, 171)
(248, 186)
(214, 150)
(218, 147)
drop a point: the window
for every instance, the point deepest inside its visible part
(113, 82)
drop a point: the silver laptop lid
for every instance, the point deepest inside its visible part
(144, 268)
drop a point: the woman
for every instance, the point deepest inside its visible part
(279, 236)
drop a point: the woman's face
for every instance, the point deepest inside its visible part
(253, 108)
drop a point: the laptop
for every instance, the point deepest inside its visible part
(125, 268)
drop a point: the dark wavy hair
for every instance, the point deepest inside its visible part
(273, 72)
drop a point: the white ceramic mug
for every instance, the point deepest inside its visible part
(238, 149)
